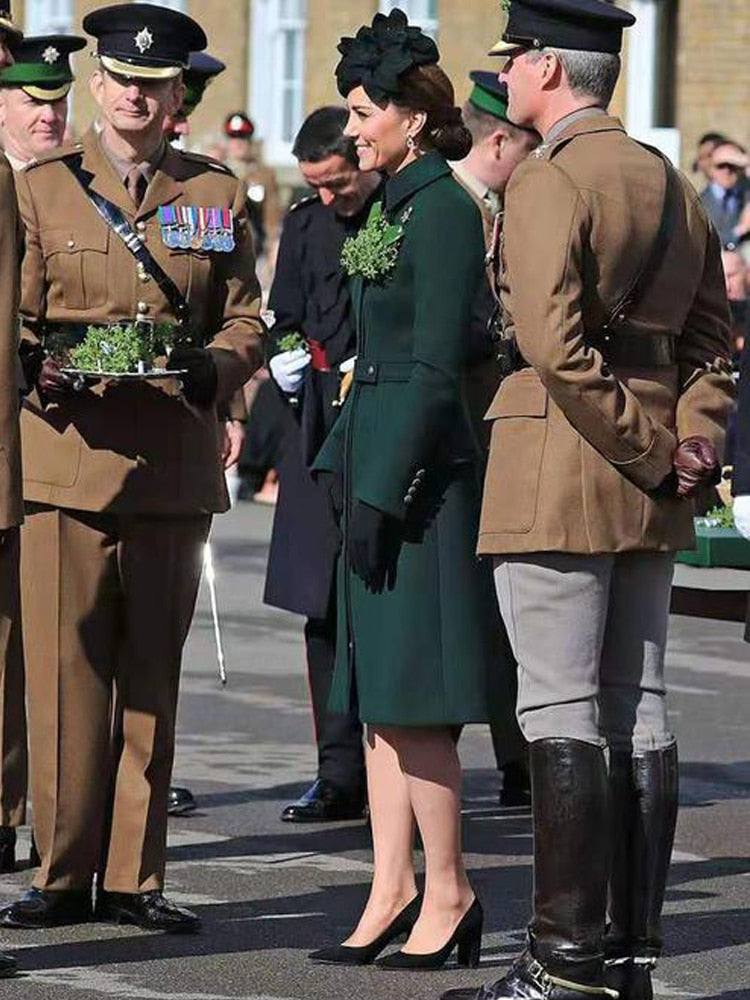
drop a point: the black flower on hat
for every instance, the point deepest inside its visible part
(381, 53)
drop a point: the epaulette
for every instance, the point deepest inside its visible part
(61, 153)
(208, 161)
(311, 199)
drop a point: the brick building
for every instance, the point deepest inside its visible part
(685, 64)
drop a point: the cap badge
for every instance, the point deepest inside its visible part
(50, 54)
(143, 40)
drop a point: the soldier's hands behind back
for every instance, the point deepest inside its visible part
(201, 380)
(370, 548)
(288, 369)
(696, 466)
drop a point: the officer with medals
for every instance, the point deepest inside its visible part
(33, 114)
(122, 477)
(311, 304)
(613, 419)
(499, 146)
(12, 798)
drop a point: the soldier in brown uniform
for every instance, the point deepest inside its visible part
(33, 114)
(612, 420)
(11, 504)
(122, 477)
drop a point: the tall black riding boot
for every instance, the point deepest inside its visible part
(643, 795)
(565, 957)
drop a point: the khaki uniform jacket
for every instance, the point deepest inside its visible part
(132, 447)
(577, 446)
(11, 503)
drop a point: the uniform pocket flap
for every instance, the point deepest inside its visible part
(521, 395)
(73, 241)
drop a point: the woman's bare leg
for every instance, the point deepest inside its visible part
(392, 820)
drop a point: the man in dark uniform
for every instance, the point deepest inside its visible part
(309, 298)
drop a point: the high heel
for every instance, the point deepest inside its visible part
(400, 926)
(467, 936)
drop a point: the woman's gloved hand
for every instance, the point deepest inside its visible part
(288, 369)
(371, 544)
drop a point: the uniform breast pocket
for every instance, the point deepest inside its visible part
(190, 270)
(76, 265)
(519, 432)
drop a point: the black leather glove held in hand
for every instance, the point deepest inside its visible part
(370, 544)
(201, 381)
(32, 359)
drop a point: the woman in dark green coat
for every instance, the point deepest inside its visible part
(416, 608)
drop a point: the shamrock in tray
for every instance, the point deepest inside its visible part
(121, 348)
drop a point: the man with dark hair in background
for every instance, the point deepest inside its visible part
(313, 334)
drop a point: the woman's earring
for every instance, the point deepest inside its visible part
(410, 143)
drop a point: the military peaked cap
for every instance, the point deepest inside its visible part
(201, 70)
(143, 40)
(586, 25)
(41, 65)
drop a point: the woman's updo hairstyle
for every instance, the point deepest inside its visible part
(395, 62)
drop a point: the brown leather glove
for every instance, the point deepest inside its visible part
(696, 466)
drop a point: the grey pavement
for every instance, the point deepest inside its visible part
(268, 893)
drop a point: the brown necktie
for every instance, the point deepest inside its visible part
(136, 184)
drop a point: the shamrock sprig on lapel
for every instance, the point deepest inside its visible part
(373, 252)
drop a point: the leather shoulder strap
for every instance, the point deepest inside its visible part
(643, 278)
(117, 222)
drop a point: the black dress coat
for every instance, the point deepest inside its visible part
(309, 296)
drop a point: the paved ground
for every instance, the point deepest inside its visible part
(269, 893)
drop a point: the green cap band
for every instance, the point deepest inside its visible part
(490, 103)
(22, 74)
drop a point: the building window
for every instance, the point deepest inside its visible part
(423, 13)
(277, 96)
(651, 74)
(49, 17)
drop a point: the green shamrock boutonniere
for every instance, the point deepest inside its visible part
(373, 252)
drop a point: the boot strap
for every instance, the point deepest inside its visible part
(648, 960)
(546, 982)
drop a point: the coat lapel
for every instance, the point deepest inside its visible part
(105, 180)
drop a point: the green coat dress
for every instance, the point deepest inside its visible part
(419, 653)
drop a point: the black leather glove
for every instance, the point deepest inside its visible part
(371, 544)
(201, 380)
(32, 359)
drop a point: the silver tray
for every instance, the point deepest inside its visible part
(148, 376)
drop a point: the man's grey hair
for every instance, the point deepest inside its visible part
(590, 74)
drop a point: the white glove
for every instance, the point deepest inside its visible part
(741, 509)
(288, 369)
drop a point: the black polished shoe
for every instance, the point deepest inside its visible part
(467, 937)
(527, 979)
(400, 926)
(150, 910)
(323, 802)
(48, 908)
(7, 849)
(8, 966)
(181, 802)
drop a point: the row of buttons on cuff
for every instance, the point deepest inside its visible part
(416, 483)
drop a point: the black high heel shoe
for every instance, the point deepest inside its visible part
(342, 954)
(467, 936)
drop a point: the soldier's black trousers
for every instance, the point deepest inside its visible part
(338, 737)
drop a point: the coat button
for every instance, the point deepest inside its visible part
(141, 226)
(371, 370)
(71, 244)
(408, 499)
(142, 308)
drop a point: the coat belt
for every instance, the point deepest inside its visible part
(382, 371)
(630, 350)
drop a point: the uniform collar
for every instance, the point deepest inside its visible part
(581, 115)
(16, 164)
(576, 124)
(406, 182)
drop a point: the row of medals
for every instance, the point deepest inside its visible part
(192, 227)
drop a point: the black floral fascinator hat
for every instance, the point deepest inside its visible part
(380, 54)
